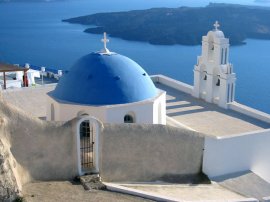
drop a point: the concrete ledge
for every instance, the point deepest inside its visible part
(134, 192)
(243, 109)
(265, 132)
(157, 197)
(28, 88)
(266, 199)
(235, 200)
(178, 85)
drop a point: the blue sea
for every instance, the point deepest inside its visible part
(33, 33)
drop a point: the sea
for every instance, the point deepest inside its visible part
(34, 33)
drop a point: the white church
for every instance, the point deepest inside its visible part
(115, 89)
(107, 116)
(110, 87)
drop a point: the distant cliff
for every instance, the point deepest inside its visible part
(184, 25)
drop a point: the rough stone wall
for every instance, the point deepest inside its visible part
(131, 152)
(9, 189)
(42, 150)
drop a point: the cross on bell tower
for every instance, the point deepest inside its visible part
(105, 40)
(216, 25)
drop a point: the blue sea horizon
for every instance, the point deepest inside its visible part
(34, 33)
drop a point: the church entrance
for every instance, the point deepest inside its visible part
(86, 145)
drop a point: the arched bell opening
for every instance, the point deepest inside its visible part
(203, 81)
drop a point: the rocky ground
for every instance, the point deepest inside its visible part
(66, 191)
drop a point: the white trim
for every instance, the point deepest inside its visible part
(93, 121)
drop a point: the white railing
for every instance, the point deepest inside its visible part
(249, 111)
(178, 85)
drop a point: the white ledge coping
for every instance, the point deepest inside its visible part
(258, 132)
(28, 88)
(266, 199)
(251, 112)
(178, 85)
(135, 192)
(158, 197)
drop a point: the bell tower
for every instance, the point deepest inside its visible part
(214, 79)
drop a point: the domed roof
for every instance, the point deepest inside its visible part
(217, 34)
(104, 79)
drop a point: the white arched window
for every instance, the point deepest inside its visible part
(129, 119)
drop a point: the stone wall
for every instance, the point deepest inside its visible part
(9, 189)
(41, 150)
(36, 150)
(133, 152)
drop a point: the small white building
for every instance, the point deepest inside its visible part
(214, 79)
(110, 87)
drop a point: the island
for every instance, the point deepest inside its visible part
(183, 25)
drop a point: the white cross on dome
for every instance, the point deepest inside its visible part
(105, 40)
(216, 25)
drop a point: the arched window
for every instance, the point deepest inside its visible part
(128, 119)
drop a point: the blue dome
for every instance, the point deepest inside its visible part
(104, 79)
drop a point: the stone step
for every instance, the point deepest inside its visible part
(92, 182)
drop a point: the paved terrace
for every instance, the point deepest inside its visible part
(205, 117)
(33, 100)
(194, 113)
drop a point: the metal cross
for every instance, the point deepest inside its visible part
(105, 41)
(216, 25)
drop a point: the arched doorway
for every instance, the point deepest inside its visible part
(87, 145)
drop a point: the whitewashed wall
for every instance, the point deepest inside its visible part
(66, 112)
(142, 113)
(159, 113)
(152, 111)
(232, 154)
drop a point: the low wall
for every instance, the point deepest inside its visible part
(232, 154)
(37, 146)
(249, 111)
(178, 85)
(133, 152)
